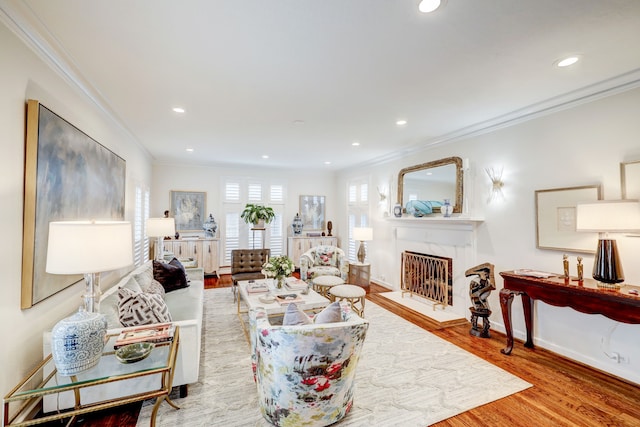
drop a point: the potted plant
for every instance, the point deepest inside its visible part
(258, 215)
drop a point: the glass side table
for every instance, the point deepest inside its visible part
(44, 380)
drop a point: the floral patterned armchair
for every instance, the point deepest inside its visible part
(323, 261)
(305, 373)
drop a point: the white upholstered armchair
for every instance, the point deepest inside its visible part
(324, 261)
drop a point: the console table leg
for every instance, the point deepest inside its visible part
(506, 298)
(527, 306)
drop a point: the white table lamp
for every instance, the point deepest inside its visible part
(364, 234)
(88, 248)
(608, 216)
(159, 228)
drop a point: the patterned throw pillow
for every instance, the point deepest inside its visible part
(140, 308)
(323, 257)
(170, 276)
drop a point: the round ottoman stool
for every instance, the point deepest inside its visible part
(322, 284)
(351, 293)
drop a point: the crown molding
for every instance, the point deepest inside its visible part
(584, 95)
(24, 23)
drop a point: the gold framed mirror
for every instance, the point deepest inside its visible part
(436, 180)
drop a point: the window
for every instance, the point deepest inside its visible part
(239, 191)
(357, 212)
(141, 213)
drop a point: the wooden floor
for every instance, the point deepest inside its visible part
(564, 393)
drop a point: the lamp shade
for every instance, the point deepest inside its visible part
(81, 247)
(160, 227)
(364, 234)
(608, 216)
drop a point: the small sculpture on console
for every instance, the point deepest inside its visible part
(479, 290)
(580, 270)
(565, 266)
(329, 227)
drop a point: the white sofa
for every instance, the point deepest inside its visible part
(186, 308)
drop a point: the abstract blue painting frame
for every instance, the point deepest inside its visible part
(68, 176)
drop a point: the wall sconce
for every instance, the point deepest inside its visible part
(382, 194)
(603, 217)
(496, 184)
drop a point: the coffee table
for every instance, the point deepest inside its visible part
(312, 301)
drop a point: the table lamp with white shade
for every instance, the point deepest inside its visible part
(364, 234)
(88, 248)
(604, 217)
(159, 228)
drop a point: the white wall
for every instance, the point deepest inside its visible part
(583, 145)
(23, 77)
(209, 179)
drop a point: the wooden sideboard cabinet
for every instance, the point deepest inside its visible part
(204, 251)
(298, 245)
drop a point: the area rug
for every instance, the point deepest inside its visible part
(406, 376)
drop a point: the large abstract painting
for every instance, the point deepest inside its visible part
(312, 212)
(68, 176)
(187, 207)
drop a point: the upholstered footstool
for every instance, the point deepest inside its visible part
(322, 284)
(355, 295)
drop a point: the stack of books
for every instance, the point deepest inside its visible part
(257, 287)
(295, 284)
(156, 333)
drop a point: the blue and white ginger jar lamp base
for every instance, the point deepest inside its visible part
(77, 342)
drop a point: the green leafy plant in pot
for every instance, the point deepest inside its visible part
(258, 215)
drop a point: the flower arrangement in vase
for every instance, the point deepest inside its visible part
(279, 267)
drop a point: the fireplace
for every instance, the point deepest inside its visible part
(427, 276)
(452, 241)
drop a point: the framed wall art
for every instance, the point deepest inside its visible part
(630, 180)
(68, 176)
(556, 218)
(187, 207)
(312, 212)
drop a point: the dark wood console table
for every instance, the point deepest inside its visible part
(583, 296)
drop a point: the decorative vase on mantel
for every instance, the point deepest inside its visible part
(446, 209)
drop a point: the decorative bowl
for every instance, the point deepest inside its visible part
(267, 299)
(134, 352)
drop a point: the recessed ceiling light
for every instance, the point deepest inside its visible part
(189, 150)
(327, 162)
(428, 6)
(178, 110)
(355, 143)
(264, 156)
(570, 60)
(401, 122)
(298, 122)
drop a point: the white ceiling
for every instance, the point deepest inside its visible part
(247, 70)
